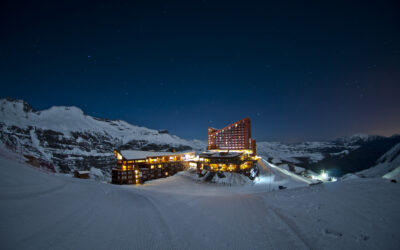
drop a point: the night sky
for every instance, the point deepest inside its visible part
(300, 71)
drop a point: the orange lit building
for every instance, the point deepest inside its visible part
(236, 136)
(135, 167)
(231, 149)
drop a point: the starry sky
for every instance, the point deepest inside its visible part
(299, 70)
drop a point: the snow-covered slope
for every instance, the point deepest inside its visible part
(343, 155)
(312, 151)
(386, 165)
(46, 211)
(72, 119)
(70, 139)
(279, 152)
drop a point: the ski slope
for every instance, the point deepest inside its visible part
(45, 211)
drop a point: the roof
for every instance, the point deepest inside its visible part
(220, 154)
(230, 125)
(83, 172)
(137, 154)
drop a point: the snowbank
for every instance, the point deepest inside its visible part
(229, 179)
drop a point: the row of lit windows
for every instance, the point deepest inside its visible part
(231, 131)
(230, 138)
(238, 128)
(230, 144)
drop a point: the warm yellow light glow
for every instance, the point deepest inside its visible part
(244, 166)
(119, 156)
(152, 166)
(159, 165)
(166, 173)
(214, 166)
(245, 151)
(123, 167)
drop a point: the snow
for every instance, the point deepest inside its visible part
(44, 211)
(311, 151)
(289, 152)
(341, 153)
(230, 179)
(287, 174)
(83, 172)
(386, 163)
(358, 137)
(393, 175)
(97, 174)
(73, 119)
(349, 176)
(36, 144)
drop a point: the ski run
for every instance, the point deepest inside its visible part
(39, 210)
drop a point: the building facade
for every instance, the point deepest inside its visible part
(136, 167)
(231, 149)
(236, 136)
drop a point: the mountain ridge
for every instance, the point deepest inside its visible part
(68, 138)
(72, 140)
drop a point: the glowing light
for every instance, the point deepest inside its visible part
(323, 177)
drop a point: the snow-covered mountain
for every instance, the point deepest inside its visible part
(387, 166)
(68, 139)
(343, 155)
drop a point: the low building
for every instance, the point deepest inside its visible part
(238, 162)
(81, 174)
(135, 167)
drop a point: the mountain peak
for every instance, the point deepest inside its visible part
(16, 104)
(72, 110)
(357, 138)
